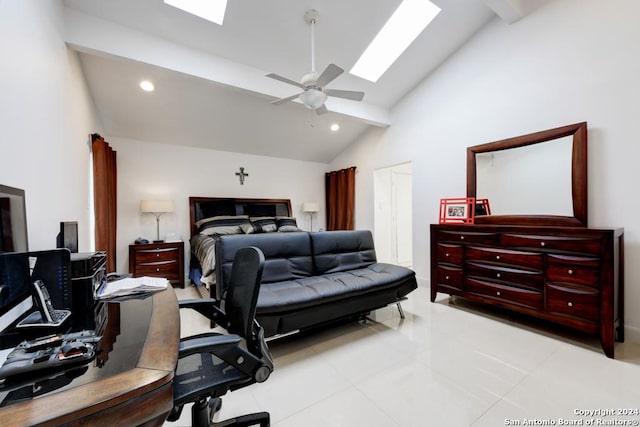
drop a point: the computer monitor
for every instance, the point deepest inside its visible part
(13, 220)
(68, 236)
(15, 288)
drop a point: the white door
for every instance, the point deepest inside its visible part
(393, 215)
(401, 226)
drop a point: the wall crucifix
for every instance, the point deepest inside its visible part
(241, 175)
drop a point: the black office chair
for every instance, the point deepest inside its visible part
(211, 364)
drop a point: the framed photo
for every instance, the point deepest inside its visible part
(457, 210)
(482, 207)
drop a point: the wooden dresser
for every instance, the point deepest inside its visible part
(571, 276)
(158, 260)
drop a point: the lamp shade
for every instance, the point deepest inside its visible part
(310, 207)
(156, 206)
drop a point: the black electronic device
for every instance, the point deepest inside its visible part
(15, 288)
(88, 274)
(13, 220)
(53, 267)
(21, 362)
(46, 316)
(68, 236)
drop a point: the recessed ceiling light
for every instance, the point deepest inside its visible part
(335, 127)
(147, 86)
(211, 10)
(402, 28)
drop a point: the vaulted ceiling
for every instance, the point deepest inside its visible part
(211, 89)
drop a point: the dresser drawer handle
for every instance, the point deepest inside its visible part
(541, 243)
(570, 304)
(498, 293)
(497, 256)
(446, 277)
(447, 254)
(498, 275)
(461, 237)
(157, 269)
(570, 271)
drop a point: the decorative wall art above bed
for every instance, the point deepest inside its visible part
(211, 217)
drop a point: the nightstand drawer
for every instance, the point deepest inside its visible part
(154, 255)
(157, 269)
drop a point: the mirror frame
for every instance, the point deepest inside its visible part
(578, 176)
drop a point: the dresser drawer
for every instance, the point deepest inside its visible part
(450, 277)
(470, 237)
(578, 270)
(494, 272)
(505, 293)
(160, 268)
(574, 301)
(563, 243)
(157, 254)
(450, 253)
(532, 260)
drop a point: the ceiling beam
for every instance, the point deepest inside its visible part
(86, 33)
(510, 11)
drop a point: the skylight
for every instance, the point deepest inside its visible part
(211, 10)
(402, 28)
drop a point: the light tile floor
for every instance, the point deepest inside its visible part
(449, 363)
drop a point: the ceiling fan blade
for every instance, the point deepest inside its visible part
(346, 94)
(328, 75)
(322, 110)
(285, 80)
(284, 100)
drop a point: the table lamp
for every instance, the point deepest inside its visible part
(310, 208)
(157, 208)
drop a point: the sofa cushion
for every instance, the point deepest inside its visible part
(287, 255)
(336, 251)
(305, 292)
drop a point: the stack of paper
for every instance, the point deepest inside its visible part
(131, 286)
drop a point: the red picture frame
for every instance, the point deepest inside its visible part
(459, 210)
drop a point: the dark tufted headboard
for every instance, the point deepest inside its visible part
(205, 207)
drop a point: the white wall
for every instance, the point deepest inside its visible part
(46, 115)
(161, 171)
(568, 61)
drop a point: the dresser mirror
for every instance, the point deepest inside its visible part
(534, 179)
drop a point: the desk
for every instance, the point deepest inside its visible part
(119, 388)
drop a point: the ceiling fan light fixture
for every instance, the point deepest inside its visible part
(313, 98)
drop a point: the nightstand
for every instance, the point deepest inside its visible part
(158, 260)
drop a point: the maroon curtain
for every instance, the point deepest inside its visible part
(104, 198)
(340, 192)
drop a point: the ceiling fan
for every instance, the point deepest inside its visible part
(314, 92)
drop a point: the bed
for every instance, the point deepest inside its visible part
(214, 216)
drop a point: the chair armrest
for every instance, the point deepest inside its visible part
(205, 306)
(207, 344)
